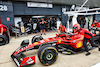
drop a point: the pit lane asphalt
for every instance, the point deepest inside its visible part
(77, 60)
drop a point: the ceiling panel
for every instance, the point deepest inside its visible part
(93, 3)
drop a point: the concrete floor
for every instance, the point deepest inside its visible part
(78, 60)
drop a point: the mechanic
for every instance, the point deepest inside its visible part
(85, 36)
(42, 25)
(95, 24)
(88, 23)
(54, 24)
(99, 26)
(50, 23)
(62, 29)
(3, 31)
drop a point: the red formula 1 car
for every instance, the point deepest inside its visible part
(47, 49)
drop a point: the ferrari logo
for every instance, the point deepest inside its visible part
(94, 25)
(59, 41)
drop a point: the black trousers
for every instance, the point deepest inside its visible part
(91, 40)
(88, 26)
(6, 34)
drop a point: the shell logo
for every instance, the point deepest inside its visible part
(59, 41)
(79, 44)
(21, 59)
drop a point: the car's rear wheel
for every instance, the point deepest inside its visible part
(36, 38)
(47, 55)
(3, 40)
(97, 42)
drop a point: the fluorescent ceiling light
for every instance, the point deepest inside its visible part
(37, 16)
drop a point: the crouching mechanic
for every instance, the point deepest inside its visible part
(62, 29)
(85, 36)
(3, 31)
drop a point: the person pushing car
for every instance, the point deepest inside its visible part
(85, 36)
(62, 29)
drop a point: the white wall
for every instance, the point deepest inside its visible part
(16, 20)
(58, 23)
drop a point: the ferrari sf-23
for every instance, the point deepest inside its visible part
(48, 48)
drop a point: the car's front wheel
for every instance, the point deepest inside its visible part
(47, 55)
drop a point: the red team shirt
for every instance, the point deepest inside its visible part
(86, 33)
(95, 24)
(99, 24)
(62, 29)
(2, 26)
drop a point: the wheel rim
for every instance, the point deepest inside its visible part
(1, 40)
(49, 56)
(96, 42)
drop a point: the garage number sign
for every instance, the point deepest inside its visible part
(3, 8)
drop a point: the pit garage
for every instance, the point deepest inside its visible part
(26, 47)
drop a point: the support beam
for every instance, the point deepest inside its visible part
(83, 5)
(70, 12)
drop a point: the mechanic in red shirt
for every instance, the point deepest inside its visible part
(62, 29)
(99, 26)
(85, 36)
(3, 31)
(95, 24)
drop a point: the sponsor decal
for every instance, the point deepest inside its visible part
(16, 62)
(45, 39)
(65, 52)
(21, 59)
(41, 38)
(35, 43)
(79, 44)
(69, 52)
(54, 44)
(42, 41)
(24, 48)
(30, 61)
(59, 41)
